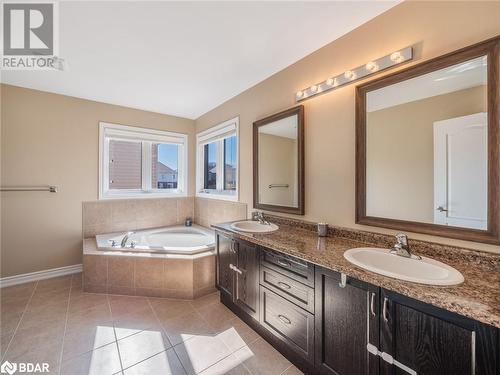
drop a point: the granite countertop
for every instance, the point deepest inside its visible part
(477, 298)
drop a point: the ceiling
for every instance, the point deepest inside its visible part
(457, 77)
(186, 58)
(286, 127)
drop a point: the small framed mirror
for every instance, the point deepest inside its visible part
(278, 162)
(427, 147)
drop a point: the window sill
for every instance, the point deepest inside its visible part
(142, 195)
(219, 196)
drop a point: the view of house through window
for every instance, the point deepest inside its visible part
(210, 165)
(165, 165)
(139, 161)
(217, 161)
(125, 164)
(230, 163)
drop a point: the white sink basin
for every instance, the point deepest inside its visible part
(254, 227)
(423, 271)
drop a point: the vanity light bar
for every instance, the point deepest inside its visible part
(352, 75)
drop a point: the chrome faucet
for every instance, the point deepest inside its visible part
(125, 238)
(402, 248)
(259, 215)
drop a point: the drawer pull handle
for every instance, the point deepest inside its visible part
(284, 319)
(372, 304)
(284, 263)
(284, 285)
(384, 310)
(235, 269)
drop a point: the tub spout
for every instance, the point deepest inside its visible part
(125, 238)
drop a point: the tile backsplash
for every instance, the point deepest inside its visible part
(117, 215)
(106, 216)
(212, 211)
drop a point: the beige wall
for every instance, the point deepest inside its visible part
(402, 187)
(53, 139)
(277, 165)
(433, 28)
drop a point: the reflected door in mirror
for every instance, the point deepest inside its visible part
(426, 147)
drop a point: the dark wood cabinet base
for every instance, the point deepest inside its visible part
(329, 324)
(279, 345)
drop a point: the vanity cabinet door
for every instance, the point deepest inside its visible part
(226, 256)
(346, 321)
(247, 278)
(425, 340)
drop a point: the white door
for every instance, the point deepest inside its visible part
(461, 171)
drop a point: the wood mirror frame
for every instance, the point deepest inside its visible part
(299, 210)
(490, 48)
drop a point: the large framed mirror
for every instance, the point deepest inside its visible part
(278, 162)
(428, 146)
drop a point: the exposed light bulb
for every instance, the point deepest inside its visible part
(330, 81)
(313, 88)
(299, 94)
(349, 74)
(397, 57)
(371, 66)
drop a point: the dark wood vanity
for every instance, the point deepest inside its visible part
(329, 317)
(326, 323)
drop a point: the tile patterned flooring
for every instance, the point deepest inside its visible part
(54, 321)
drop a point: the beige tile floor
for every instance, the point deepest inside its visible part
(77, 333)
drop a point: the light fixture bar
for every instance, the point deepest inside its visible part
(355, 74)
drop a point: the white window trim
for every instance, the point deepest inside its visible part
(108, 131)
(207, 136)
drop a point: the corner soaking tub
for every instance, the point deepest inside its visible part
(172, 240)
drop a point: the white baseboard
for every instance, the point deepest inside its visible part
(39, 275)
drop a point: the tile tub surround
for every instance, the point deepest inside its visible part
(477, 298)
(54, 321)
(115, 215)
(147, 274)
(211, 211)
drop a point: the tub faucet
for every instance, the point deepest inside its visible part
(402, 248)
(125, 238)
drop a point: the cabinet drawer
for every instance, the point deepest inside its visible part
(292, 290)
(288, 322)
(294, 268)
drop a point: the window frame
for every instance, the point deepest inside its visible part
(147, 137)
(217, 133)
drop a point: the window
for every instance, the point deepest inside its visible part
(141, 162)
(217, 161)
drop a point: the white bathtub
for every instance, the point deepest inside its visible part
(175, 240)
